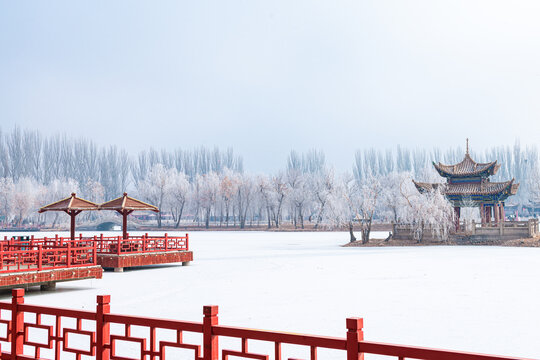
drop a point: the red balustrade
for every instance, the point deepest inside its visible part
(107, 244)
(140, 244)
(46, 256)
(104, 336)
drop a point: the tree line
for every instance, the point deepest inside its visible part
(209, 187)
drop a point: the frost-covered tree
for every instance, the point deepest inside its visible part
(321, 186)
(58, 189)
(7, 190)
(24, 199)
(244, 196)
(342, 207)
(368, 200)
(266, 197)
(430, 210)
(180, 189)
(391, 200)
(298, 195)
(208, 185)
(155, 188)
(534, 185)
(228, 188)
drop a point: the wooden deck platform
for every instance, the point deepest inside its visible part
(47, 279)
(119, 262)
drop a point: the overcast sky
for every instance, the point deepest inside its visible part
(266, 77)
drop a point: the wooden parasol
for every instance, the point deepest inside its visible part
(71, 206)
(125, 205)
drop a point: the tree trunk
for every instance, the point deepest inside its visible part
(54, 221)
(353, 238)
(365, 236)
(180, 215)
(207, 218)
(301, 216)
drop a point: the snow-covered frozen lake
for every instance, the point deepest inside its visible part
(482, 299)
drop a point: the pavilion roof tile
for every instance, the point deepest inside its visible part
(467, 167)
(127, 203)
(467, 189)
(71, 203)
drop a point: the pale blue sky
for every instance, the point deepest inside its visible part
(266, 77)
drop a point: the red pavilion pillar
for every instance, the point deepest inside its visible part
(496, 213)
(488, 214)
(482, 215)
(457, 213)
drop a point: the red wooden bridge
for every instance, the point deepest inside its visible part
(39, 332)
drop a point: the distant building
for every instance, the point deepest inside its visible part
(468, 185)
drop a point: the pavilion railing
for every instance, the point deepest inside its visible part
(40, 332)
(39, 257)
(526, 228)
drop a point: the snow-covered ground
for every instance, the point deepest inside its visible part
(483, 299)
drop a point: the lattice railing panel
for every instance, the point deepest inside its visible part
(38, 332)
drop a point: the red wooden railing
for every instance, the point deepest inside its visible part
(110, 244)
(109, 336)
(140, 244)
(46, 256)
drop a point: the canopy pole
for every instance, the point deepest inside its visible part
(72, 214)
(124, 224)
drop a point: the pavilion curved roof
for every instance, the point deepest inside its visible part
(467, 167)
(467, 189)
(126, 203)
(72, 203)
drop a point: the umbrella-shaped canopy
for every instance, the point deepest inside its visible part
(125, 205)
(72, 206)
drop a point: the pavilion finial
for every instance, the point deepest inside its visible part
(467, 146)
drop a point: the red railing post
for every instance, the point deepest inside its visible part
(68, 256)
(17, 323)
(40, 257)
(94, 255)
(166, 241)
(210, 341)
(354, 336)
(103, 331)
(118, 251)
(187, 242)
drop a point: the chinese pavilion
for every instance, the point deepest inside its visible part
(468, 185)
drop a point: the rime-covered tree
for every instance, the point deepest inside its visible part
(156, 187)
